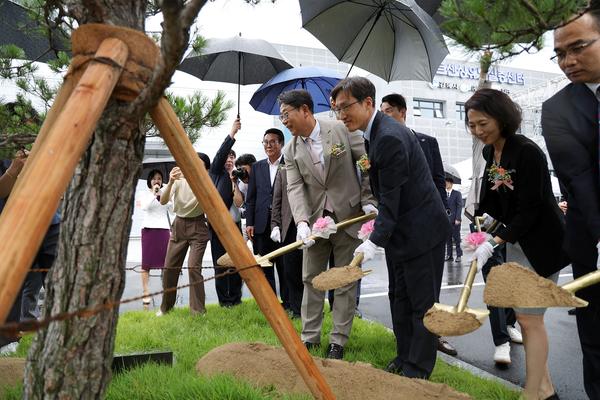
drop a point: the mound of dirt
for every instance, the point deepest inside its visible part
(11, 371)
(337, 277)
(511, 285)
(444, 323)
(264, 365)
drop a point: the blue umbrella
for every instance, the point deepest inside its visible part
(317, 81)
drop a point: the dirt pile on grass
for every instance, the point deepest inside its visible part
(11, 371)
(264, 365)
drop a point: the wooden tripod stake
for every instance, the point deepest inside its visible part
(193, 169)
(29, 209)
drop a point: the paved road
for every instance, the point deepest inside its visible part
(475, 348)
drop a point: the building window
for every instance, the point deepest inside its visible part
(428, 108)
(460, 111)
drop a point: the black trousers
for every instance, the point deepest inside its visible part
(413, 288)
(229, 287)
(454, 237)
(499, 317)
(588, 326)
(292, 272)
(264, 245)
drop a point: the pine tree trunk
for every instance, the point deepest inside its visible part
(72, 359)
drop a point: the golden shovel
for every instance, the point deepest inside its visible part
(511, 285)
(338, 277)
(263, 261)
(445, 320)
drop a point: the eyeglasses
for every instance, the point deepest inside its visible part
(561, 55)
(268, 143)
(338, 111)
(286, 115)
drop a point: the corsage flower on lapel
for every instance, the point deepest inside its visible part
(363, 163)
(500, 177)
(337, 150)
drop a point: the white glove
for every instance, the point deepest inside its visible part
(369, 208)
(488, 220)
(483, 253)
(276, 235)
(302, 233)
(598, 260)
(368, 249)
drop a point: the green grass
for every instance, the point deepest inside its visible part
(191, 337)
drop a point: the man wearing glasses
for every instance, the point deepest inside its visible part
(570, 128)
(320, 163)
(258, 205)
(411, 225)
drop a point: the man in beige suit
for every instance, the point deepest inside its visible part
(320, 163)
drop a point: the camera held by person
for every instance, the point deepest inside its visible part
(240, 173)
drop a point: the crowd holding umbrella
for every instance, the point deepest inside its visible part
(317, 81)
(374, 34)
(235, 60)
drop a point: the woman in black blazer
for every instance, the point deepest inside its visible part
(518, 193)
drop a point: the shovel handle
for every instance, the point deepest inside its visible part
(584, 281)
(466, 290)
(298, 243)
(357, 260)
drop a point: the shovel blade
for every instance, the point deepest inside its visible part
(444, 320)
(511, 285)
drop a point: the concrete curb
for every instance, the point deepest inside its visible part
(477, 371)
(466, 366)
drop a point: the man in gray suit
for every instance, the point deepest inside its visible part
(320, 162)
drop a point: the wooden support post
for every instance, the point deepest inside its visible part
(29, 210)
(193, 169)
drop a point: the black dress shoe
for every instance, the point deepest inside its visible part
(335, 351)
(457, 259)
(446, 347)
(310, 345)
(572, 311)
(449, 258)
(394, 367)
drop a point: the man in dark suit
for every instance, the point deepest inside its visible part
(394, 105)
(228, 287)
(283, 230)
(258, 206)
(455, 205)
(411, 225)
(570, 128)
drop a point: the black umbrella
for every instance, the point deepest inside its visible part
(452, 174)
(164, 165)
(235, 60)
(393, 39)
(18, 28)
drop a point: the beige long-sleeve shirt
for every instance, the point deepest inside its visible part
(185, 204)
